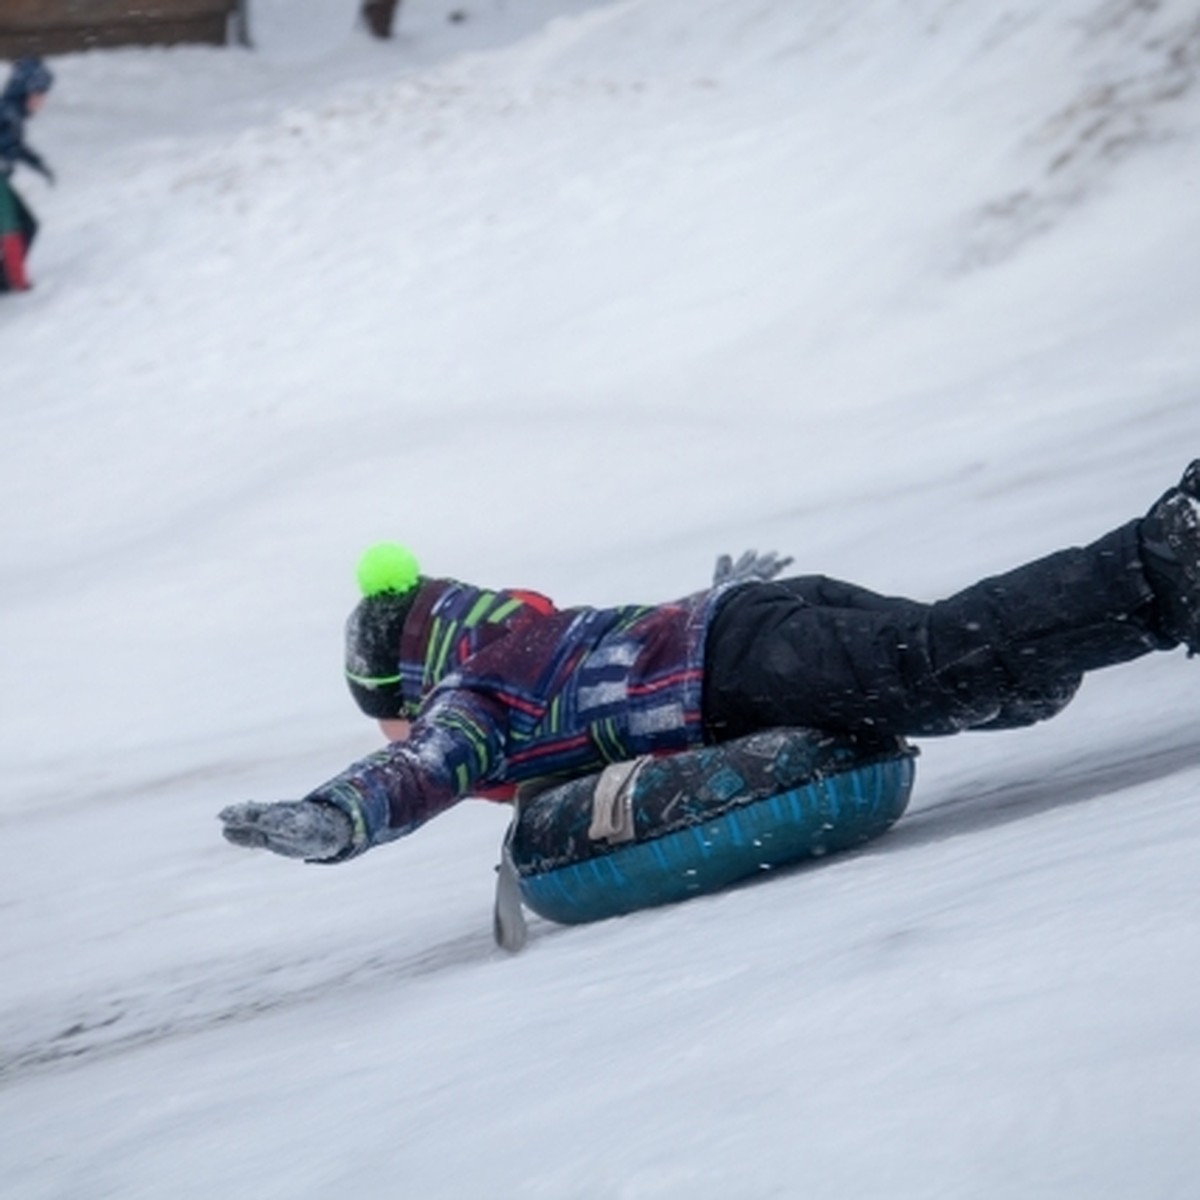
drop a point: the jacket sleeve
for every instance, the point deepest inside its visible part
(12, 141)
(457, 741)
(31, 158)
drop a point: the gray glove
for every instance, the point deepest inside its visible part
(293, 828)
(751, 565)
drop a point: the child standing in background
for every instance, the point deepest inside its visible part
(22, 97)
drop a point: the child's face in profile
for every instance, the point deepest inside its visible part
(36, 100)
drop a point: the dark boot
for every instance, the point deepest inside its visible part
(381, 16)
(1170, 548)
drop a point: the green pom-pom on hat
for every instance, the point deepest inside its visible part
(387, 567)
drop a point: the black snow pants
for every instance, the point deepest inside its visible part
(1005, 652)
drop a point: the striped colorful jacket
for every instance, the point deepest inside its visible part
(511, 689)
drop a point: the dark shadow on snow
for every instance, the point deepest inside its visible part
(217, 997)
(971, 810)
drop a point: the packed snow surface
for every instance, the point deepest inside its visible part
(574, 295)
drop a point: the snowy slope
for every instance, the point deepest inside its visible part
(575, 295)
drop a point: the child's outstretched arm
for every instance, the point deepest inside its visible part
(456, 743)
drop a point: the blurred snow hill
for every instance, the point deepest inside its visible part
(574, 295)
(563, 219)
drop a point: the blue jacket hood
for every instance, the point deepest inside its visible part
(29, 76)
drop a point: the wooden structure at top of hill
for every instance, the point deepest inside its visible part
(61, 26)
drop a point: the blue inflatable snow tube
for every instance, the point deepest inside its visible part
(702, 820)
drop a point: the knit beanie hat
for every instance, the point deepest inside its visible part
(388, 576)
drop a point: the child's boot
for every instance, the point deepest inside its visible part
(1170, 546)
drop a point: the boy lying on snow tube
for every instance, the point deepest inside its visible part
(480, 689)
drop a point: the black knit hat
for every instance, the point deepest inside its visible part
(373, 632)
(389, 577)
